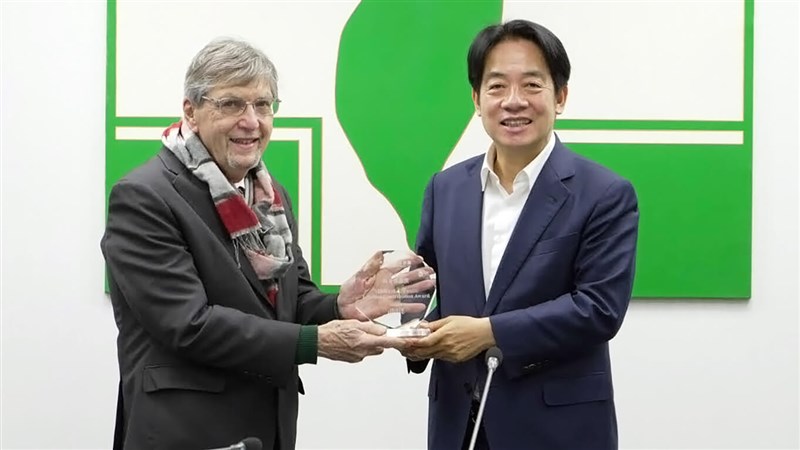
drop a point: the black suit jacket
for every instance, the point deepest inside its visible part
(204, 360)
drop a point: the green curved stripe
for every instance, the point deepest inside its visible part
(402, 95)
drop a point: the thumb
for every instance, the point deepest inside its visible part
(372, 265)
(435, 325)
(371, 328)
(424, 324)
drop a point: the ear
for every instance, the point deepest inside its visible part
(189, 115)
(561, 99)
(476, 100)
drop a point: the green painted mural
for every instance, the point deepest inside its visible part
(402, 95)
(403, 101)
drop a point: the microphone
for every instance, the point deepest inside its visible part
(250, 443)
(494, 357)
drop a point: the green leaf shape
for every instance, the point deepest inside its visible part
(402, 95)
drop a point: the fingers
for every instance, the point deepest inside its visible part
(389, 342)
(424, 275)
(351, 330)
(435, 325)
(424, 286)
(370, 344)
(352, 341)
(371, 267)
(426, 353)
(400, 264)
(371, 328)
(408, 308)
(412, 351)
(432, 346)
(429, 341)
(412, 355)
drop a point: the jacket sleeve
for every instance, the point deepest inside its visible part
(313, 305)
(151, 268)
(424, 248)
(593, 312)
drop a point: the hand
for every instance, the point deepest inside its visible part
(412, 350)
(454, 339)
(352, 341)
(376, 290)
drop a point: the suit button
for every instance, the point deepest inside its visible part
(467, 388)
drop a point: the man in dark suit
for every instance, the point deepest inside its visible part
(211, 294)
(534, 250)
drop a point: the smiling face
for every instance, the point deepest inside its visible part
(517, 102)
(235, 141)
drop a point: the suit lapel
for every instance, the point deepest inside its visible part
(545, 200)
(195, 192)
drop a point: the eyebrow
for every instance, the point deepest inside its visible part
(236, 97)
(530, 73)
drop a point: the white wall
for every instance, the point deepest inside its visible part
(693, 374)
(58, 333)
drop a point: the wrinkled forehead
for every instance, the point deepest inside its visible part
(518, 56)
(244, 88)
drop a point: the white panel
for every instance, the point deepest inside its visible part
(156, 42)
(650, 60)
(651, 137)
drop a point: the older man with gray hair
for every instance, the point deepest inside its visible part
(211, 294)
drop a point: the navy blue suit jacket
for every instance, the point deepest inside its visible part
(559, 295)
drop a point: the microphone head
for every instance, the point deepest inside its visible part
(494, 352)
(252, 443)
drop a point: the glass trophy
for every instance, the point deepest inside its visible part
(413, 299)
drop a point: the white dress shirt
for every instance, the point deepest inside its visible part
(501, 209)
(243, 188)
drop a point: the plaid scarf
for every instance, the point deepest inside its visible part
(260, 228)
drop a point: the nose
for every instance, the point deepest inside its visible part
(515, 100)
(249, 118)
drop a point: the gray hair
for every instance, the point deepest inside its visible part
(227, 62)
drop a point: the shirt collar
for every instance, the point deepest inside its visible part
(488, 161)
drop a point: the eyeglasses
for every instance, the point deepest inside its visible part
(232, 106)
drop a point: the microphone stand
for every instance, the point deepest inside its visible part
(493, 357)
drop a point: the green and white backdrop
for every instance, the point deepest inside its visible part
(375, 100)
(695, 102)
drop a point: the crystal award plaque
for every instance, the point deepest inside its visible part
(413, 304)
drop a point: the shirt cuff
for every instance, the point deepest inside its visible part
(337, 314)
(307, 345)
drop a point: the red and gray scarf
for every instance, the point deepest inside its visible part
(259, 228)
